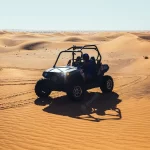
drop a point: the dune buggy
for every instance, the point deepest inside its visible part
(70, 78)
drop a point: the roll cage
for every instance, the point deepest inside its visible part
(79, 49)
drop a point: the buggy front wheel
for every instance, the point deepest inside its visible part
(76, 92)
(42, 88)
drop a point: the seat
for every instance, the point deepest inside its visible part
(93, 59)
(93, 62)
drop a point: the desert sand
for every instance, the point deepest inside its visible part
(121, 120)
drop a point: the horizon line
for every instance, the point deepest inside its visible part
(55, 31)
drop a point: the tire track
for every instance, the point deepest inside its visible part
(138, 80)
(15, 95)
(128, 84)
(10, 80)
(20, 103)
(16, 84)
(16, 104)
(19, 68)
(132, 83)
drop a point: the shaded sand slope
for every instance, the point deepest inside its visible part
(115, 121)
(129, 43)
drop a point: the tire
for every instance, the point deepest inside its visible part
(42, 89)
(107, 84)
(76, 92)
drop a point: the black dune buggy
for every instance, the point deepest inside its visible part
(71, 80)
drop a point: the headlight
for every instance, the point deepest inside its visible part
(45, 74)
(67, 74)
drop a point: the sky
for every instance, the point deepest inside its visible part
(75, 15)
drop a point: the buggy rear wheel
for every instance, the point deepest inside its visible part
(42, 89)
(107, 84)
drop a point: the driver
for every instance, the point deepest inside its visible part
(78, 62)
(87, 67)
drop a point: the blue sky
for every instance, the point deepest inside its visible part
(75, 14)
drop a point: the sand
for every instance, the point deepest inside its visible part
(118, 121)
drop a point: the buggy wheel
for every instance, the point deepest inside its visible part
(42, 89)
(107, 84)
(76, 92)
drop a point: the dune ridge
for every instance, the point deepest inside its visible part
(34, 45)
(74, 39)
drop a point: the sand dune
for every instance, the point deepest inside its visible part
(34, 45)
(72, 34)
(10, 42)
(74, 39)
(116, 121)
(26, 36)
(142, 35)
(58, 34)
(1, 33)
(147, 38)
(126, 46)
(139, 65)
(104, 36)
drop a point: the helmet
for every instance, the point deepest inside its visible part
(85, 57)
(78, 58)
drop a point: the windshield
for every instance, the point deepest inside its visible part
(65, 57)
